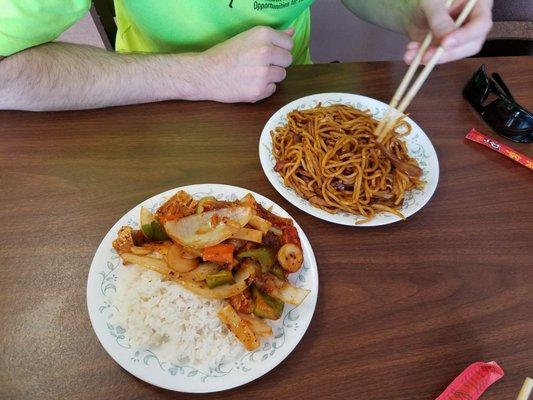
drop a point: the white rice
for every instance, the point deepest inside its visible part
(177, 325)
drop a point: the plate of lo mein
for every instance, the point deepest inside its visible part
(320, 153)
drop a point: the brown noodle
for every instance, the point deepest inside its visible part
(329, 156)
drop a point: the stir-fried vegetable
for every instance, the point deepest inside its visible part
(151, 228)
(276, 231)
(220, 292)
(247, 269)
(179, 263)
(250, 235)
(243, 302)
(220, 253)
(264, 255)
(201, 272)
(248, 200)
(155, 264)
(178, 206)
(266, 306)
(290, 257)
(240, 329)
(271, 217)
(140, 251)
(219, 278)
(281, 290)
(204, 201)
(189, 252)
(263, 213)
(259, 223)
(153, 247)
(124, 241)
(259, 327)
(198, 231)
(277, 271)
(290, 235)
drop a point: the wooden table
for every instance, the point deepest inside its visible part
(402, 309)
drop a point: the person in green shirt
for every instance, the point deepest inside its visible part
(221, 50)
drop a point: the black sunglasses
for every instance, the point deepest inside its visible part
(504, 114)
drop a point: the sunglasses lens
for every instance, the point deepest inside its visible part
(509, 120)
(477, 88)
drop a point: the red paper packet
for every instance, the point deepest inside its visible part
(472, 382)
(493, 144)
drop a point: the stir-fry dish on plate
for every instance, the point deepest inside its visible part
(330, 156)
(236, 255)
(322, 153)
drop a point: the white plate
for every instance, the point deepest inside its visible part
(145, 364)
(418, 143)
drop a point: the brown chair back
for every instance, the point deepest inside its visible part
(103, 13)
(512, 33)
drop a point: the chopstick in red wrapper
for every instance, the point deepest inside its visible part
(493, 144)
(473, 381)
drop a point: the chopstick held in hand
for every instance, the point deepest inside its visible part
(387, 123)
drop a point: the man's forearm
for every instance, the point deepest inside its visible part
(61, 76)
(390, 14)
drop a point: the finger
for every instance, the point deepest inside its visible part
(413, 45)
(456, 53)
(412, 49)
(276, 74)
(270, 89)
(273, 55)
(409, 56)
(281, 57)
(267, 92)
(428, 55)
(282, 39)
(453, 54)
(267, 35)
(439, 19)
(457, 7)
(290, 31)
(478, 26)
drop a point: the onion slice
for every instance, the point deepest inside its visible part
(199, 230)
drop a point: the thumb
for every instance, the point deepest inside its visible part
(290, 31)
(439, 19)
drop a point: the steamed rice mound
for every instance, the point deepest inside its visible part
(176, 324)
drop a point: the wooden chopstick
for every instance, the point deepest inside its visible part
(387, 122)
(412, 69)
(527, 387)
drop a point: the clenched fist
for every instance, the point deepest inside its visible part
(246, 67)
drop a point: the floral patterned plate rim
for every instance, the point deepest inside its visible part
(146, 364)
(418, 143)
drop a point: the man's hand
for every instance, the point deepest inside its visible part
(247, 66)
(458, 42)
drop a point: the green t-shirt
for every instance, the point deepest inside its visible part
(161, 26)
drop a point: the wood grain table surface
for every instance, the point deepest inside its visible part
(402, 309)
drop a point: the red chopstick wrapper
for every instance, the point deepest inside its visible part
(473, 381)
(493, 144)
